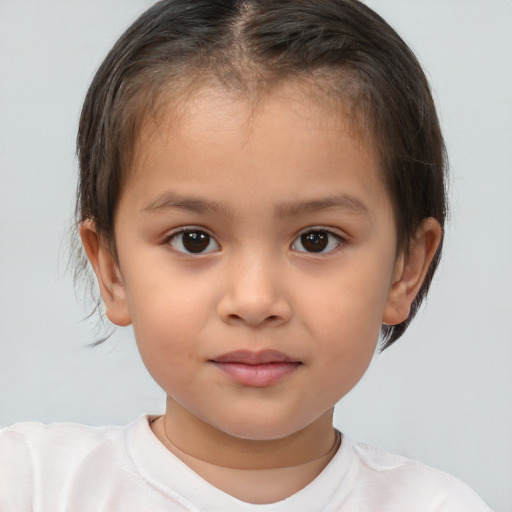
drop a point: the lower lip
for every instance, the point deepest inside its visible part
(258, 375)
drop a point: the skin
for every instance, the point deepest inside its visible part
(271, 173)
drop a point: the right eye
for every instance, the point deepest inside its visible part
(193, 241)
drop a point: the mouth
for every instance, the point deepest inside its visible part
(256, 369)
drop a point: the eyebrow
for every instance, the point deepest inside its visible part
(343, 202)
(192, 204)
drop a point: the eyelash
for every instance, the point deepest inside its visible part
(339, 240)
(319, 236)
(198, 231)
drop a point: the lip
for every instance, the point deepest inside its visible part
(256, 369)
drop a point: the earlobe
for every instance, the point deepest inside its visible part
(108, 274)
(410, 271)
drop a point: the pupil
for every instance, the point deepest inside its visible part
(196, 241)
(315, 241)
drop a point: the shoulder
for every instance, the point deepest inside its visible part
(406, 484)
(34, 455)
(56, 439)
(69, 466)
(29, 449)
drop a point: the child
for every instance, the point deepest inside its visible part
(261, 196)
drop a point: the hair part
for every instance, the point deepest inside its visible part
(337, 48)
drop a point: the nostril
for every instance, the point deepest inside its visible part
(256, 313)
(271, 319)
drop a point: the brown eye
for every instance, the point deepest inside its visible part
(317, 240)
(193, 241)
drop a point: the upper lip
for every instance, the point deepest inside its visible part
(254, 358)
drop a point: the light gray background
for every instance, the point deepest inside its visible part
(443, 394)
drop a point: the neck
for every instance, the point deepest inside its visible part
(180, 431)
(249, 470)
(182, 454)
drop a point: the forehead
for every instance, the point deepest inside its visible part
(193, 110)
(274, 138)
(338, 90)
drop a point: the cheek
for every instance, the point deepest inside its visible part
(347, 351)
(346, 325)
(164, 302)
(168, 317)
(348, 347)
(349, 308)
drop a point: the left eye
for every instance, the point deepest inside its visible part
(193, 241)
(317, 241)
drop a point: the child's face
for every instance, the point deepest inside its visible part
(254, 231)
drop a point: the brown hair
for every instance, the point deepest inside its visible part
(340, 45)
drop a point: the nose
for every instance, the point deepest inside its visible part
(254, 293)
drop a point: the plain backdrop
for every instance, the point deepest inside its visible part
(442, 395)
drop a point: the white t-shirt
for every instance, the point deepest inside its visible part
(76, 468)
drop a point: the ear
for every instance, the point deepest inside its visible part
(410, 271)
(108, 274)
